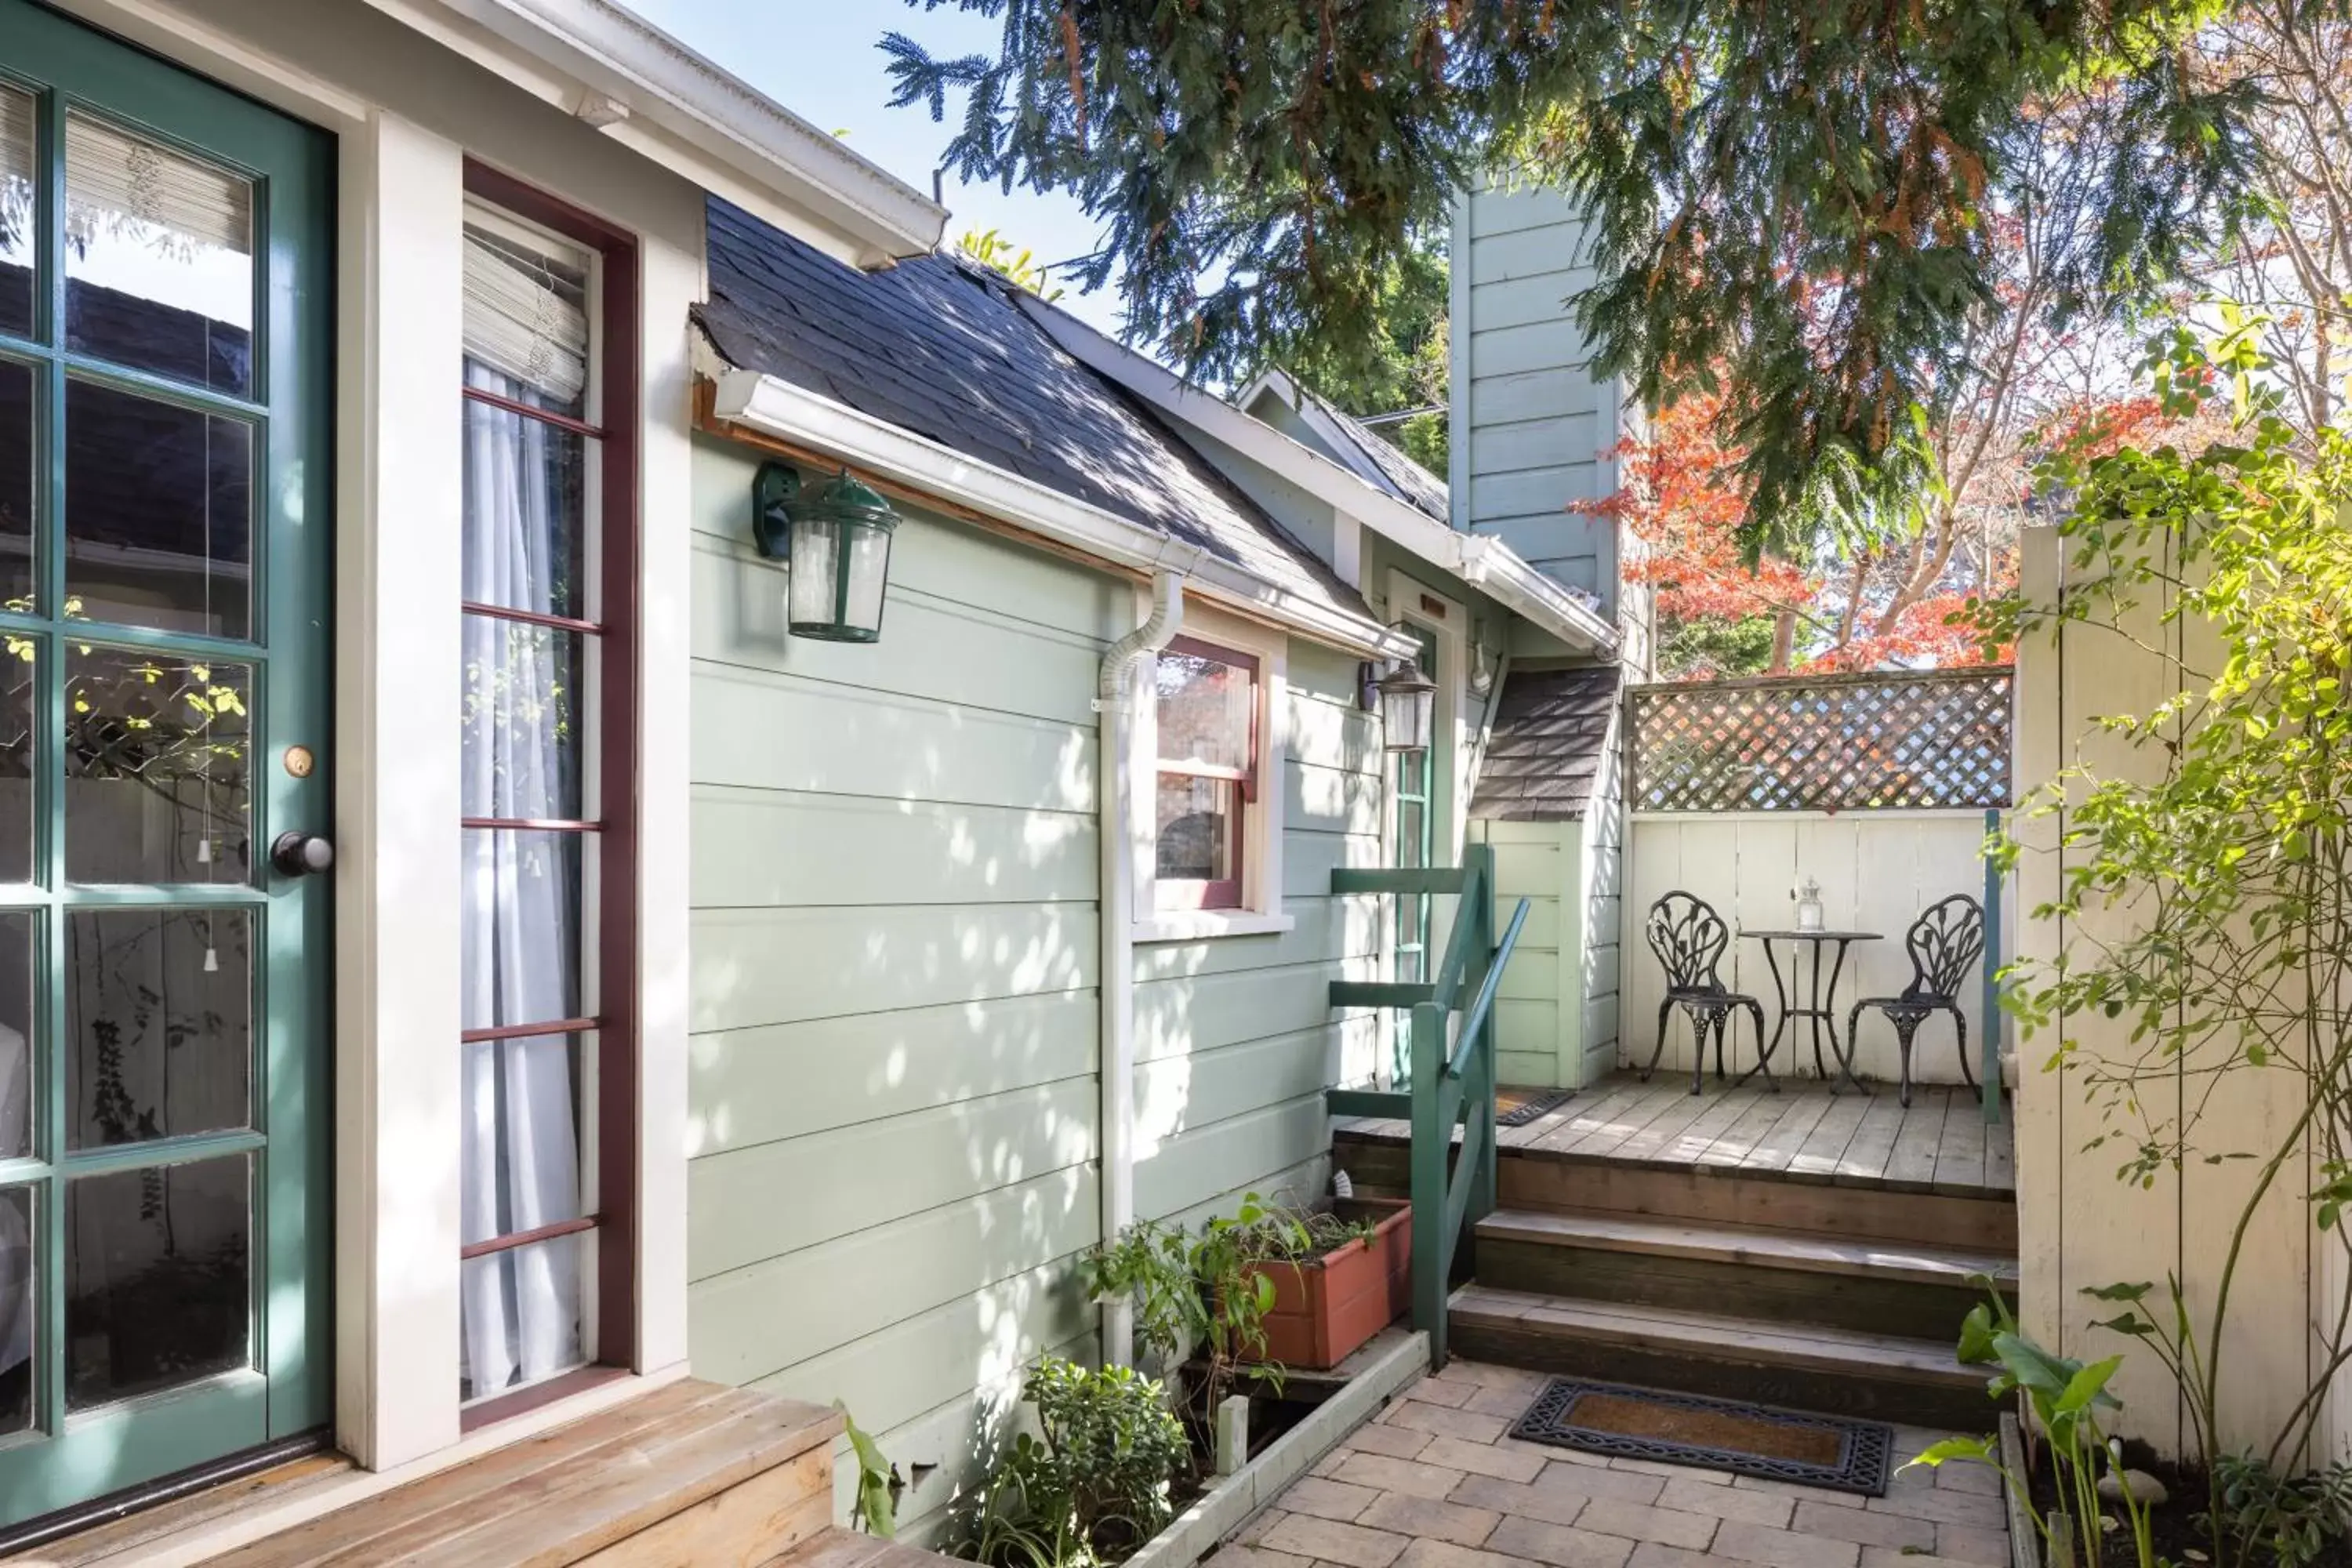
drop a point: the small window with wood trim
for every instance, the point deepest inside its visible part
(547, 711)
(1208, 774)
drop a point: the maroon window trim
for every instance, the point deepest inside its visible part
(534, 618)
(1222, 892)
(616, 1025)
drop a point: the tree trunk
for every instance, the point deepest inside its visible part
(1784, 641)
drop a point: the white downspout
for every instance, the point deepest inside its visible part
(1118, 834)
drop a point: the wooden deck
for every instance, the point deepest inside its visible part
(686, 1473)
(1941, 1144)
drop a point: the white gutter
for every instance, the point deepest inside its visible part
(1490, 565)
(642, 88)
(1121, 840)
(1485, 562)
(793, 412)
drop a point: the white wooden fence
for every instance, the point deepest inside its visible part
(1878, 869)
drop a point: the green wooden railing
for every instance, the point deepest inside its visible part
(1452, 1084)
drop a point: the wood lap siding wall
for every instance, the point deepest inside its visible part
(894, 1088)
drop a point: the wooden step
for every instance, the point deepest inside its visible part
(1786, 1275)
(689, 1473)
(837, 1548)
(1975, 1220)
(1842, 1372)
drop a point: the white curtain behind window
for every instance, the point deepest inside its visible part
(521, 1163)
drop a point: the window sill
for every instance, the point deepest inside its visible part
(1198, 925)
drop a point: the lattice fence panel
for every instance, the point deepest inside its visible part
(1886, 741)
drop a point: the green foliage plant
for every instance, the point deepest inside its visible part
(2206, 869)
(1094, 1481)
(2063, 1401)
(1199, 1292)
(2293, 1517)
(876, 1512)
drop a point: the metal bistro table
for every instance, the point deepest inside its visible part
(1823, 1010)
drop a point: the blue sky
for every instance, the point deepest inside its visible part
(818, 58)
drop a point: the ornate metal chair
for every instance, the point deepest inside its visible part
(1689, 938)
(1945, 944)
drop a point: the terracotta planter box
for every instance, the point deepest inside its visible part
(1324, 1311)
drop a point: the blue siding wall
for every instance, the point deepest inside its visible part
(1530, 425)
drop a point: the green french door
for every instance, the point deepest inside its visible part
(164, 668)
(1412, 792)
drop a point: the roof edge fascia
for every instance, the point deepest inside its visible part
(1485, 563)
(646, 90)
(777, 407)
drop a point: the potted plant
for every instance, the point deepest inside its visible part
(1339, 1276)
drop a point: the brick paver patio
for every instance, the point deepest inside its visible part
(1434, 1483)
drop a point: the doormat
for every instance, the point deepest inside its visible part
(1517, 1107)
(1714, 1434)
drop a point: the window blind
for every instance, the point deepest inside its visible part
(526, 315)
(111, 174)
(15, 136)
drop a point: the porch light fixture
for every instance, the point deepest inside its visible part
(836, 539)
(1408, 707)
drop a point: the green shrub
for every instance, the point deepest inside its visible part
(1094, 1482)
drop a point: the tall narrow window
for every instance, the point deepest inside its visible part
(1208, 769)
(547, 1158)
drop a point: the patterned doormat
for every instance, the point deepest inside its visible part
(1517, 1107)
(1713, 1434)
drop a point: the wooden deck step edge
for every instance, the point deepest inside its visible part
(834, 1547)
(1708, 1336)
(1810, 1251)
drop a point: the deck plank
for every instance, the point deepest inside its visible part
(1592, 1115)
(1678, 1113)
(1764, 1112)
(1866, 1157)
(1960, 1157)
(1778, 1148)
(1688, 1146)
(1913, 1160)
(1622, 1122)
(1824, 1146)
(2001, 1151)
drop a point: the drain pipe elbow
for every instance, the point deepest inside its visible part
(1117, 836)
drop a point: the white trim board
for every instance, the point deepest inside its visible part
(776, 407)
(1484, 563)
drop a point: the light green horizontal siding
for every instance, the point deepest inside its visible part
(894, 1070)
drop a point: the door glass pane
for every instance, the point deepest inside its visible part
(526, 500)
(18, 212)
(157, 1288)
(159, 258)
(521, 720)
(19, 657)
(17, 384)
(519, 1168)
(158, 511)
(520, 918)
(156, 750)
(521, 1313)
(15, 1048)
(159, 1023)
(15, 1309)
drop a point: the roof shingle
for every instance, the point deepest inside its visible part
(937, 347)
(1552, 730)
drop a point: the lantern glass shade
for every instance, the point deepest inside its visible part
(839, 552)
(1408, 707)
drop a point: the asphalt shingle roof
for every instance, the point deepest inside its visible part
(1551, 727)
(937, 347)
(1403, 477)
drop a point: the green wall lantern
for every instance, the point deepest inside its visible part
(836, 539)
